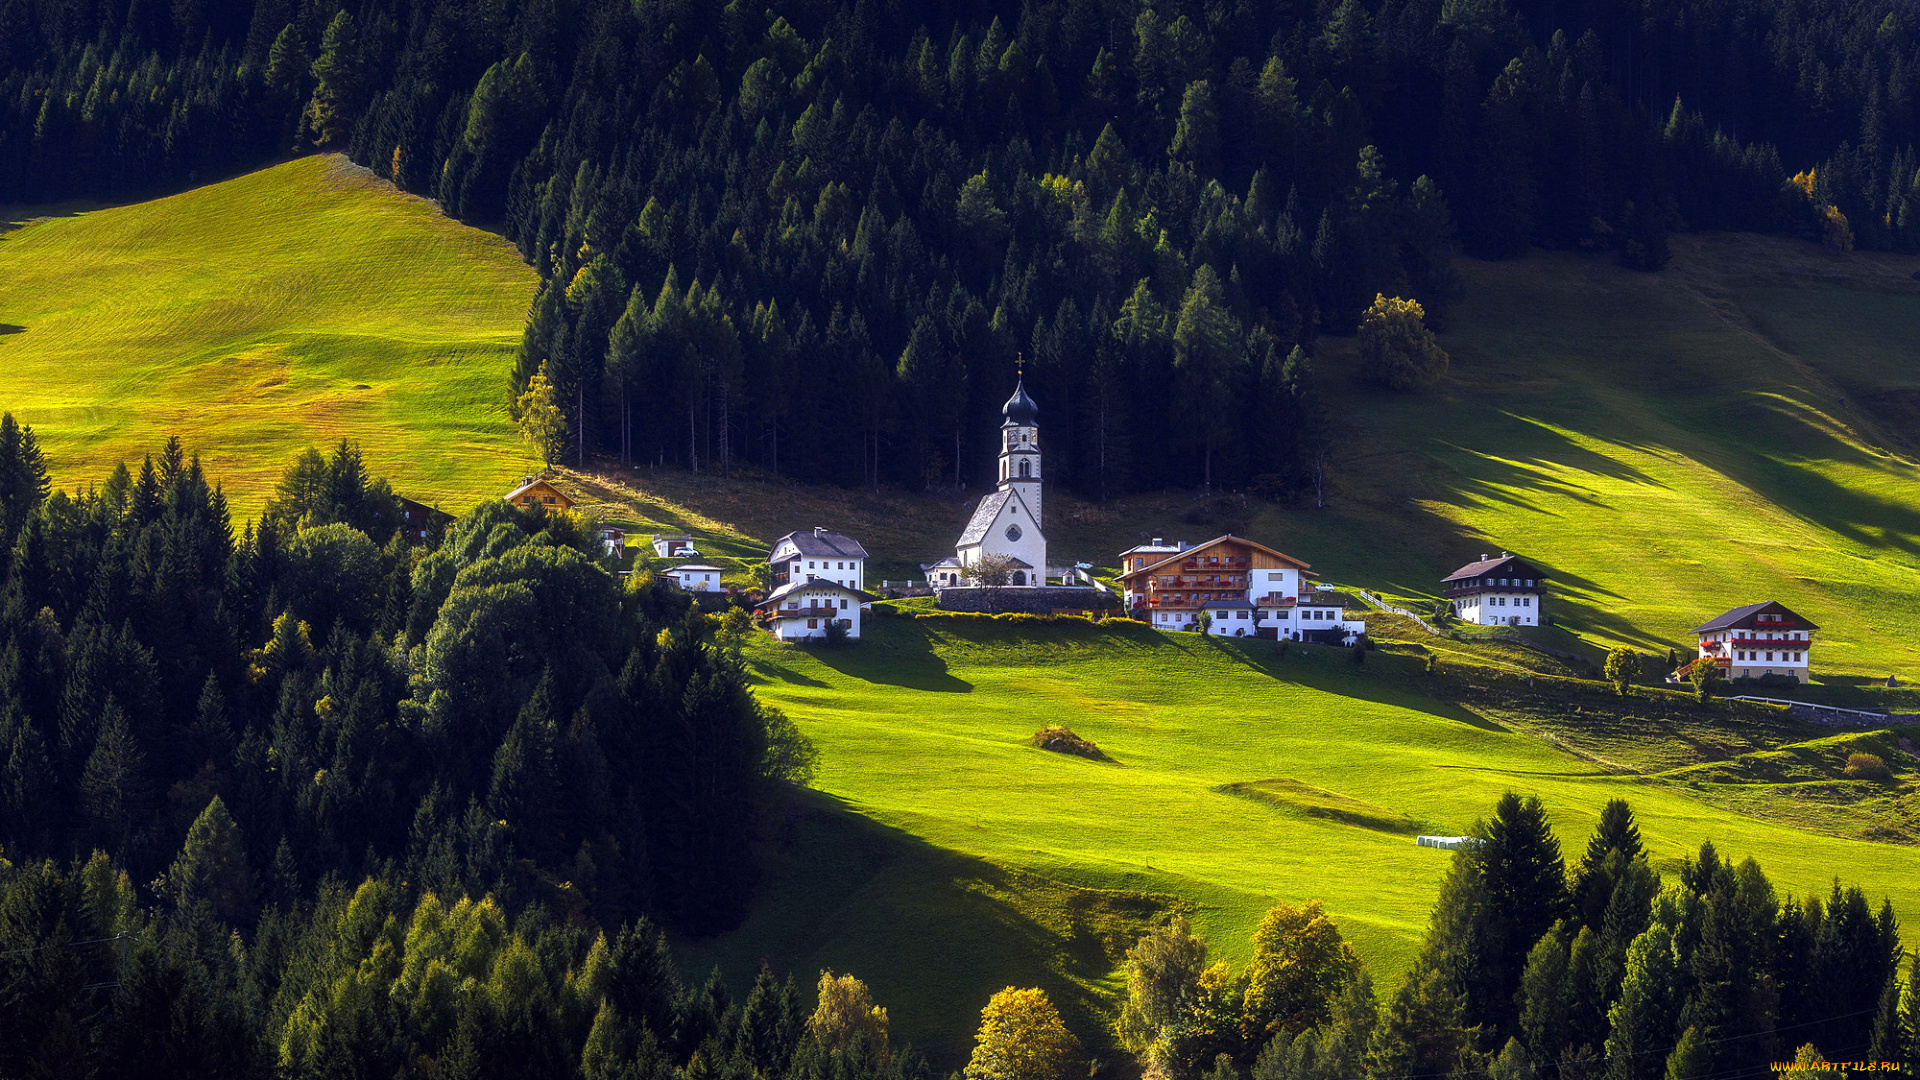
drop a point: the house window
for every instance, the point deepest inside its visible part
(813, 624)
(843, 604)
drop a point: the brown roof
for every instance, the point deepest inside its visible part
(536, 484)
(1199, 548)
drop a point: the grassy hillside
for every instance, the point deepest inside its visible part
(1736, 428)
(292, 306)
(1240, 777)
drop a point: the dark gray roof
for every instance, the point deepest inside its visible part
(946, 562)
(983, 516)
(694, 566)
(781, 593)
(1020, 408)
(1488, 566)
(1741, 615)
(823, 544)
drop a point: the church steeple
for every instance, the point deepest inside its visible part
(1020, 445)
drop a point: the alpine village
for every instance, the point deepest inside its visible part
(862, 540)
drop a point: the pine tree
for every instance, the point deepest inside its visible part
(23, 479)
(340, 77)
(212, 866)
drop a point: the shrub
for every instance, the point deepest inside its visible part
(1061, 740)
(1868, 767)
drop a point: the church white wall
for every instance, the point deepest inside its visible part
(1030, 548)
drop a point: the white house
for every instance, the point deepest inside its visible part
(947, 571)
(1758, 640)
(1243, 589)
(1008, 521)
(1506, 591)
(805, 608)
(613, 540)
(696, 577)
(673, 546)
(819, 553)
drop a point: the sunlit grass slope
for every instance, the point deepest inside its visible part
(292, 306)
(923, 725)
(1739, 427)
(1735, 429)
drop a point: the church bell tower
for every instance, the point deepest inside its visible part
(1020, 448)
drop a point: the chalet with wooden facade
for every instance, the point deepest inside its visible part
(420, 521)
(1243, 589)
(1506, 591)
(805, 608)
(538, 492)
(1758, 640)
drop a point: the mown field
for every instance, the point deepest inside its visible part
(293, 306)
(921, 728)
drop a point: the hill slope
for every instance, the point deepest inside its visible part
(1740, 427)
(1240, 777)
(292, 306)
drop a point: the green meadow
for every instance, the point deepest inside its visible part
(289, 307)
(1739, 427)
(1241, 777)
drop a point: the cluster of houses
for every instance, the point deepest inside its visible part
(1226, 587)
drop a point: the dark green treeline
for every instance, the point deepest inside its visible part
(813, 235)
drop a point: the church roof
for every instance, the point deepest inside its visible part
(1020, 408)
(983, 516)
(989, 509)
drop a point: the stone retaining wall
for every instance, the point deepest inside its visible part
(1031, 599)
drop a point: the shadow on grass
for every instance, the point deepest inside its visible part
(11, 328)
(1385, 679)
(933, 933)
(895, 652)
(765, 668)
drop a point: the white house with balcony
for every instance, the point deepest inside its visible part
(821, 553)
(805, 609)
(1506, 591)
(1231, 587)
(1758, 640)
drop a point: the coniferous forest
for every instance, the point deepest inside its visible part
(330, 798)
(814, 236)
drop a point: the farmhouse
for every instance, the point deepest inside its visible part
(1757, 640)
(613, 541)
(538, 492)
(419, 520)
(1008, 521)
(696, 577)
(1497, 592)
(1235, 587)
(819, 553)
(672, 546)
(805, 608)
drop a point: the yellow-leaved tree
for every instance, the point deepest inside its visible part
(541, 421)
(847, 1020)
(1023, 1038)
(1396, 348)
(1301, 965)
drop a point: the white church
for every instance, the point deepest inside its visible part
(1007, 522)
